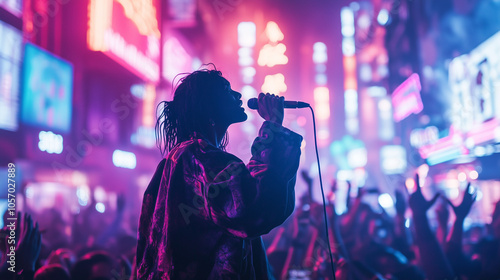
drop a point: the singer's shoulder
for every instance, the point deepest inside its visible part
(201, 148)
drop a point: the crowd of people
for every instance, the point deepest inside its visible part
(366, 243)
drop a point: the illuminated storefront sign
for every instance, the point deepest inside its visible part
(474, 80)
(406, 98)
(127, 31)
(475, 107)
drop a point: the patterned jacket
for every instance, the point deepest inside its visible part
(204, 211)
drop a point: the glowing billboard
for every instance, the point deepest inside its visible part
(47, 90)
(127, 31)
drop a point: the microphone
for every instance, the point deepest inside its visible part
(254, 104)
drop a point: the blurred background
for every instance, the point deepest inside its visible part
(398, 87)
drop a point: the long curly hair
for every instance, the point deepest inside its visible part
(189, 112)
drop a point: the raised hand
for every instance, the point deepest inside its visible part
(463, 209)
(348, 196)
(401, 204)
(417, 202)
(30, 243)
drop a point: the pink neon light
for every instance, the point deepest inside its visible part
(453, 141)
(406, 98)
(109, 32)
(485, 132)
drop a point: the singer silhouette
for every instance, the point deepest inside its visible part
(204, 210)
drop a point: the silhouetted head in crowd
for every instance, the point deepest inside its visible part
(62, 256)
(94, 265)
(51, 272)
(203, 105)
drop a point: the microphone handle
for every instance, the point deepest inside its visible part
(253, 104)
(295, 104)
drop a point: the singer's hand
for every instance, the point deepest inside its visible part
(271, 107)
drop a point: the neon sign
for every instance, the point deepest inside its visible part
(270, 55)
(274, 83)
(124, 159)
(143, 14)
(50, 142)
(127, 31)
(445, 149)
(322, 103)
(485, 132)
(406, 98)
(273, 32)
(421, 137)
(273, 54)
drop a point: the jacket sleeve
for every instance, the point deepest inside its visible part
(251, 200)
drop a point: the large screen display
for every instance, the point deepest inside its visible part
(474, 80)
(47, 90)
(10, 61)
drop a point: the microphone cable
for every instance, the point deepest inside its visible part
(325, 215)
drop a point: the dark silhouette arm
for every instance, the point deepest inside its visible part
(432, 258)
(453, 248)
(401, 239)
(251, 200)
